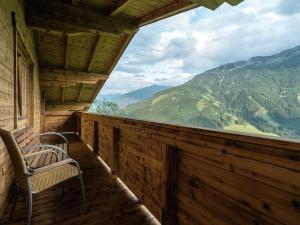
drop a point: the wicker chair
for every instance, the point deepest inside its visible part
(34, 181)
(29, 142)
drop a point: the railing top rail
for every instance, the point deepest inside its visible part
(178, 130)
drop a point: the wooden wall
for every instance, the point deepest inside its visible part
(193, 176)
(7, 85)
(59, 121)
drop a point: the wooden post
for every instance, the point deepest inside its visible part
(96, 138)
(15, 55)
(43, 109)
(82, 128)
(169, 213)
(78, 127)
(116, 139)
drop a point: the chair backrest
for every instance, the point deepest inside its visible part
(15, 154)
(24, 136)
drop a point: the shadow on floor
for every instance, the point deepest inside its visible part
(108, 202)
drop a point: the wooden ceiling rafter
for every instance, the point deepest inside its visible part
(126, 40)
(66, 106)
(66, 18)
(94, 33)
(68, 52)
(80, 93)
(168, 10)
(94, 54)
(119, 6)
(98, 88)
(62, 77)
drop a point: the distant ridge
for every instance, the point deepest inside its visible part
(260, 95)
(135, 96)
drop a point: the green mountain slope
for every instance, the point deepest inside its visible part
(261, 95)
(137, 95)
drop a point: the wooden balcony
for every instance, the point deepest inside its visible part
(198, 176)
(56, 56)
(182, 175)
(108, 202)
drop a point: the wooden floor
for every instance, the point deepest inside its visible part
(108, 202)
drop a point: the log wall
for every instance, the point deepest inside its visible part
(7, 85)
(191, 176)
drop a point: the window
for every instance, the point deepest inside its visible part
(24, 87)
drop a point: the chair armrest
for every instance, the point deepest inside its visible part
(69, 132)
(54, 165)
(55, 133)
(40, 153)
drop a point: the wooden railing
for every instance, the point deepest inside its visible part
(191, 176)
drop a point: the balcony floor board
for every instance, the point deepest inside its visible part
(108, 202)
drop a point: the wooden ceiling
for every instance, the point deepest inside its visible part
(78, 42)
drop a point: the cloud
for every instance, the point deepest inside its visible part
(288, 7)
(172, 51)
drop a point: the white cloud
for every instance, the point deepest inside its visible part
(249, 10)
(172, 51)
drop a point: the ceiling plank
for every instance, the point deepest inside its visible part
(171, 9)
(66, 18)
(126, 40)
(93, 57)
(80, 92)
(119, 7)
(65, 77)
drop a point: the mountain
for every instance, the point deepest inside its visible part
(110, 97)
(261, 95)
(138, 95)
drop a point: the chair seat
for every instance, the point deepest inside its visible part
(50, 178)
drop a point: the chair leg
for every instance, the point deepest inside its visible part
(82, 191)
(16, 194)
(29, 203)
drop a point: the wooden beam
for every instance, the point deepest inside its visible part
(116, 58)
(80, 92)
(126, 40)
(52, 76)
(67, 18)
(68, 53)
(99, 86)
(67, 106)
(175, 7)
(115, 150)
(93, 57)
(119, 6)
(171, 158)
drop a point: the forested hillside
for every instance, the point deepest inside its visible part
(261, 95)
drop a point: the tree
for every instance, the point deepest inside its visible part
(103, 106)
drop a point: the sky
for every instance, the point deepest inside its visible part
(174, 50)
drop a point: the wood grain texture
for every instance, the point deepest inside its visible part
(26, 45)
(221, 178)
(108, 202)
